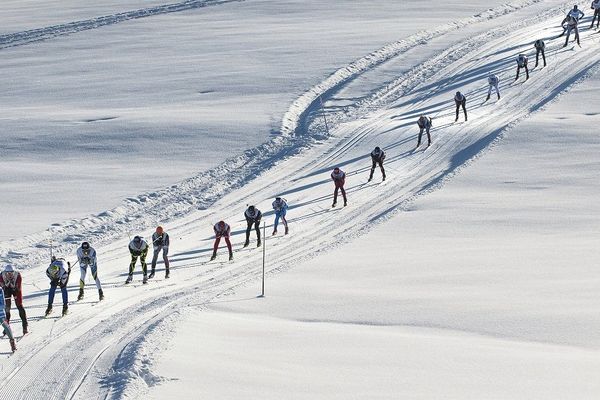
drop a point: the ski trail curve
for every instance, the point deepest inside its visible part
(50, 32)
(201, 191)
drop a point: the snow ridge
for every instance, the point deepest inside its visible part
(201, 191)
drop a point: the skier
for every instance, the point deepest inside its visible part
(86, 255)
(222, 230)
(576, 13)
(492, 83)
(461, 101)
(522, 63)
(5, 324)
(540, 46)
(253, 216)
(59, 276)
(596, 8)
(377, 157)
(10, 282)
(339, 179)
(138, 248)
(280, 207)
(160, 241)
(570, 23)
(424, 124)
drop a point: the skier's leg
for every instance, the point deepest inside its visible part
(83, 271)
(544, 57)
(94, 270)
(51, 294)
(165, 252)
(577, 34)
(143, 262)
(382, 169)
(568, 34)
(132, 264)
(7, 329)
(257, 229)
(229, 247)
(335, 193)
(216, 246)
(537, 57)
(65, 294)
(373, 164)
(518, 69)
(277, 216)
(7, 307)
(464, 107)
(155, 258)
(526, 72)
(22, 313)
(420, 135)
(428, 137)
(497, 91)
(344, 194)
(457, 110)
(248, 229)
(489, 92)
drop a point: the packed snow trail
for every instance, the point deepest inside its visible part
(49, 32)
(95, 351)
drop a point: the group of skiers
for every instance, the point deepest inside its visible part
(59, 269)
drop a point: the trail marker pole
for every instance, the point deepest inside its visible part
(264, 256)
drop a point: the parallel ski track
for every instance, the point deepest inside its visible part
(97, 336)
(50, 32)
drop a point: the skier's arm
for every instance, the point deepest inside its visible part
(166, 240)
(18, 283)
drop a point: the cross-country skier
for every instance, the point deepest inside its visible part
(339, 179)
(492, 83)
(138, 248)
(160, 241)
(424, 124)
(540, 46)
(59, 276)
(522, 63)
(10, 282)
(86, 255)
(570, 23)
(596, 8)
(576, 13)
(461, 101)
(253, 216)
(280, 207)
(377, 157)
(5, 324)
(222, 230)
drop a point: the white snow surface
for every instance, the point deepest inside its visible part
(434, 284)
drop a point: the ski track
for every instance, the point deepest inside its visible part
(50, 32)
(109, 340)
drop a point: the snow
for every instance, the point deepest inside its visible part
(468, 274)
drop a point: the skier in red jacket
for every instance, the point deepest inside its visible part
(339, 179)
(222, 230)
(10, 282)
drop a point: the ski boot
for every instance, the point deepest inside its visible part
(100, 294)
(487, 98)
(334, 203)
(274, 232)
(151, 274)
(247, 243)
(287, 230)
(167, 272)
(25, 329)
(80, 297)
(145, 279)
(65, 309)
(230, 256)
(48, 310)
(129, 279)
(214, 256)
(383, 180)
(13, 345)
(258, 243)
(345, 203)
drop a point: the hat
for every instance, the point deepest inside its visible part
(85, 245)
(159, 230)
(9, 268)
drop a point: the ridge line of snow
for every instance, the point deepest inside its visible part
(136, 214)
(48, 32)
